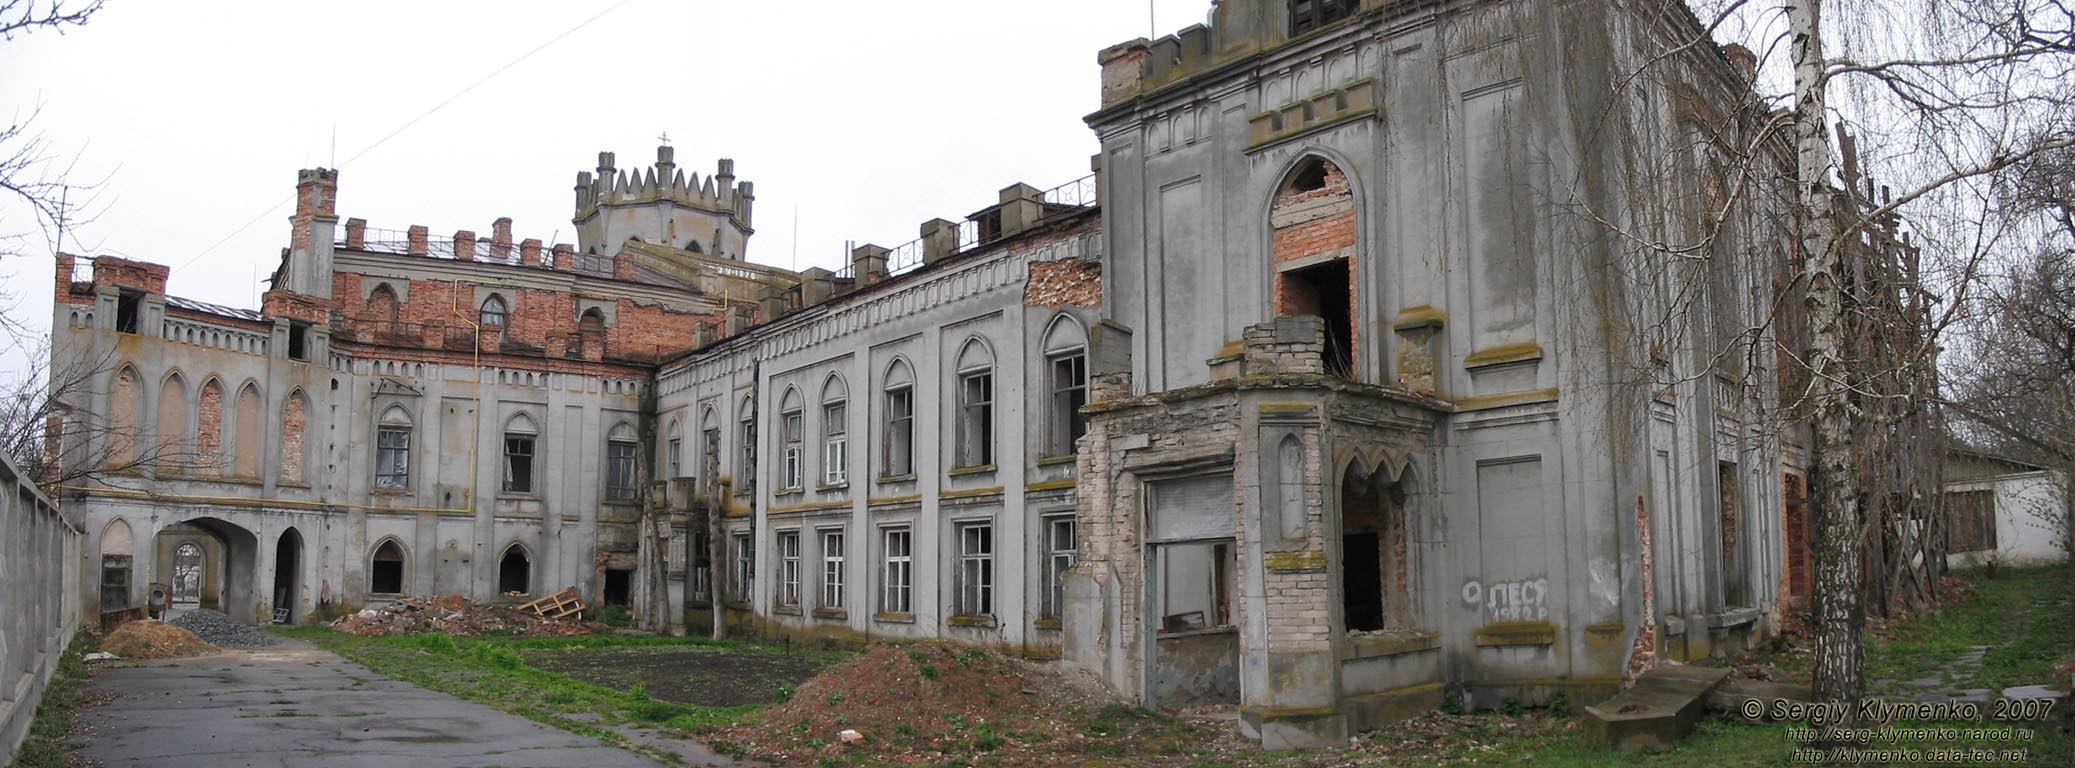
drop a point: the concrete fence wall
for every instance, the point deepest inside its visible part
(40, 568)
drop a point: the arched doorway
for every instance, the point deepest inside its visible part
(385, 569)
(515, 570)
(288, 564)
(187, 573)
(1374, 561)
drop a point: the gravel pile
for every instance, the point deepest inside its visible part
(217, 629)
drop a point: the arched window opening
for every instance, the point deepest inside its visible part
(746, 464)
(1066, 357)
(1374, 574)
(620, 480)
(590, 334)
(900, 422)
(792, 429)
(1315, 233)
(494, 312)
(835, 431)
(393, 450)
(385, 569)
(118, 545)
(382, 308)
(172, 424)
(975, 405)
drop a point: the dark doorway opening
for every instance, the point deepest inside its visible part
(128, 311)
(385, 573)
(1322, 290)
(1362, 589)
(514, 572)
(288, 563)
(619, 584)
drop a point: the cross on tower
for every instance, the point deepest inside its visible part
(665, 138)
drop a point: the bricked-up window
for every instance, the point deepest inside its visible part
(746, 478)
(789, 569)
(494, 312)
(831, 569)
(620, 483)
(745, 567)
(900, 422)
(899, 576)
(590, 334)
(393, 451)
(1970, 524)
(1308, 15)
(975, 570)
(792, 432)
(385, 569)
(835, 432)
(1059, 557)
(129, 311)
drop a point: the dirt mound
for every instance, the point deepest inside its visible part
(454, 615)
(921, 703)
(148, 639)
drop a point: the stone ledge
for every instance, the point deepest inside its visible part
(1502, 354)
(1515, 633)
(985, 622)
(1388, 644)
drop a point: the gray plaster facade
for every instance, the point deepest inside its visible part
(1382, 406)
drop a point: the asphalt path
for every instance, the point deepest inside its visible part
(297, 705)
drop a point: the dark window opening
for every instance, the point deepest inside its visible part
(1308, 15)
(1322, 290)
(619, 584)
(385, 574)
(298, 341)
(1362, 581)
(1310, 178)
(514, 572)
(988, 225)
(518, 463)
(1069, 393)
(129, 307)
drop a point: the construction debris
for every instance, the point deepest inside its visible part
(563, 604)
(455, 615)
(148, 639)
(217, 629)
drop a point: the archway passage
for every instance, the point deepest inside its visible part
(514, 571)
(288, 563)
(222, 569)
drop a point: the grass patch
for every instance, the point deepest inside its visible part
(2022, 613)
(492, 671)
(48, 744)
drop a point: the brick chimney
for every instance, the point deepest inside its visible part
(420, 240)
(501, 239)
(529, 252)
(465, 245)
(565, 256)
(311, 230)
(356, 233)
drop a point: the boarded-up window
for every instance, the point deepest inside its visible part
(1970, 521)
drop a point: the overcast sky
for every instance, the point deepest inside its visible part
(865, 118)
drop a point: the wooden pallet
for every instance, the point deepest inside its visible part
(561, 605)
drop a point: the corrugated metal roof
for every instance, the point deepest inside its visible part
(214, 309)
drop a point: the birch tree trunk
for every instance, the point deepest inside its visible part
(1839, 617)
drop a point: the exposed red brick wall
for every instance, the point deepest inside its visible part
(537, 323)
(294, 417)
(1642, 653)
(1064, 283)
(1333, 231)
(134, 275)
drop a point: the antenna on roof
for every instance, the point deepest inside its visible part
(793, 262)
(1152, 27)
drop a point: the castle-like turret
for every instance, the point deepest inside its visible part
(664, 205)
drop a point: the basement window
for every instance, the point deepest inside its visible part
(129, 306)
(1322, 290)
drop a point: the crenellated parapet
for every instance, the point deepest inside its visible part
(664, 204)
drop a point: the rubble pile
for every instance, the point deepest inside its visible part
(217, 629)
(455, 615)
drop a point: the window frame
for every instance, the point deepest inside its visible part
(789, 588)
(531, 456)
(974, 593)
(975, 418)
(622, 476)
(745, 571)
(393, 457)
(1064, 423)
(900, 431)
(792, 430)
(1055, 562)
(897, 576)
(833, 559)
(497, 319)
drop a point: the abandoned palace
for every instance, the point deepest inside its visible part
(1342, 387)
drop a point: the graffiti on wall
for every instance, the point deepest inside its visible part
(1526, 600)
